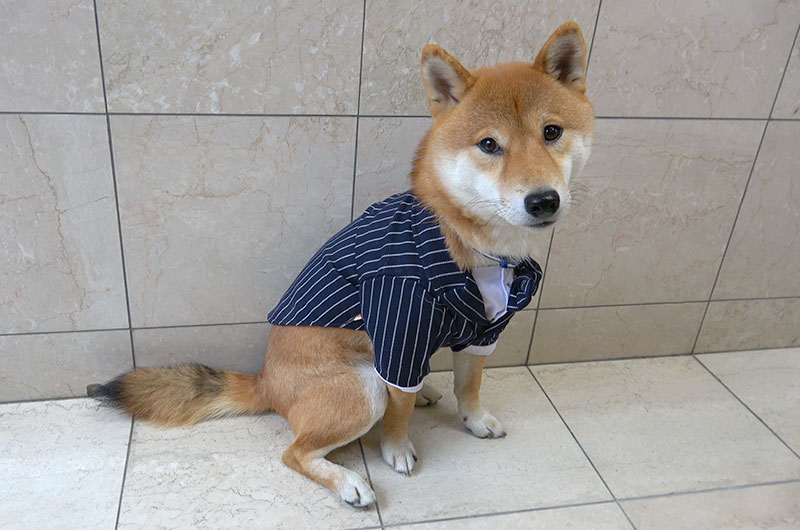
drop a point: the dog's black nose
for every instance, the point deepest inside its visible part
(542, 204)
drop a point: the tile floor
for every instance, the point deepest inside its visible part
(706, 441)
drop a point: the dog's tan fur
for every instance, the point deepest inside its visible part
(321, 379)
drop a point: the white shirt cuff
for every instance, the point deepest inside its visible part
(474, 349)
(409, 389)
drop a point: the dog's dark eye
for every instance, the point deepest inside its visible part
(489, 145)
(552, 133)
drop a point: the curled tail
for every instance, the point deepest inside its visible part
(182, 395)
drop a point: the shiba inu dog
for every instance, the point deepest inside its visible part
(446, 264)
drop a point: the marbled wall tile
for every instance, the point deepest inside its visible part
(239, 347)
(220, 214)
(231, 57)
(660, 199)
(62, 464)
(591, 333)
(57, 365)
(386, 149)
(709, 58)
(60, 262)
(788, 103)
(512, 348)
(763, 259)
(48, 57)
(749, 324)
(477, 33)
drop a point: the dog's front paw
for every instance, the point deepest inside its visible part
(400, 456)
(427, 396)
(483, 425)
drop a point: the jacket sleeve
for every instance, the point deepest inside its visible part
(486, 342)
(405, 326)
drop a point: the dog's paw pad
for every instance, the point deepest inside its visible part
(400, 457)
(356, 492)
(484, 425)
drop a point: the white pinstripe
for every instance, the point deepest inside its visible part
(376, 268)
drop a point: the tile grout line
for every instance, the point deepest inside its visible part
(358, 111)
(124, 473)
(553, 232)
(670, 302)
(504, 366)
(730, 237)
(595, 503)
(580, 446)
(687, 118)
(345, 115)
(41, 400)
(504, 512)
(710, 490)
(61, 332)
(114, 179)
(48, 113)
(744, 192)
(694, 356)
(556, 308)
(594, 32)
(369, 478)
(539, 300)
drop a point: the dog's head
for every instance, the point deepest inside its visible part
(507, 139)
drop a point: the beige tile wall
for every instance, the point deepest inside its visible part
(162, 182)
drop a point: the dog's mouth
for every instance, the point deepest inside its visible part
(543, 224)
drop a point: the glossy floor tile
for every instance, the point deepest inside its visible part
(673, 444)
(766, 381)
(657, 426)
(229, 474)
(61, 464)
(537, 464)
(774, 507)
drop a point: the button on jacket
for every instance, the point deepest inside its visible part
(389, 272)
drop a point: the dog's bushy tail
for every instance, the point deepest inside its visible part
(182, 395)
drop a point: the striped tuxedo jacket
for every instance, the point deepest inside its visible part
(389, 272)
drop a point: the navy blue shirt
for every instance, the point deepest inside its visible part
(389, 272)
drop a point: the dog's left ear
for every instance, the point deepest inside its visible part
(563, 57)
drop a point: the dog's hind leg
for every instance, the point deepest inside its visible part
(331, 415)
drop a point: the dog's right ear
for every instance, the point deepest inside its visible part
(563, 57)
(445, 79)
